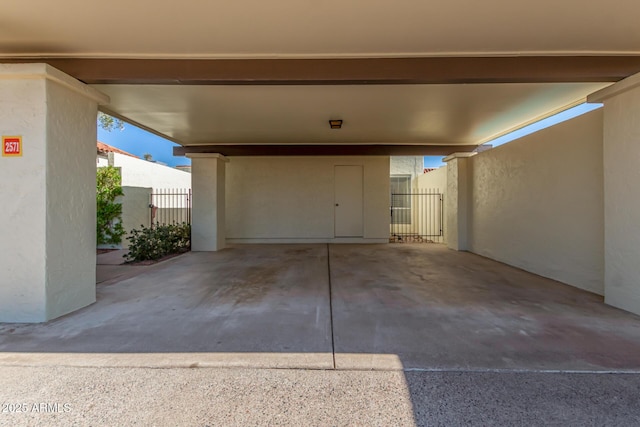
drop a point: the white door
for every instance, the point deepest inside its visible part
(349, 201)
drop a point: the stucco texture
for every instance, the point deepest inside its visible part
(135, 210)
(22, 194)
(47, 221)
(537, 203)
(141, 173)
(71, 195)
(434, 179)
(284, 199)
(622, 200)
(208, 226)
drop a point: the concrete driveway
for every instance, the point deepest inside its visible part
(413, 335)
(335, 306)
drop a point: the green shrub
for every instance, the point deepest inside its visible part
(158, 241)
(109, 227)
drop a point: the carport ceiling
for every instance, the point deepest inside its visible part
(379, 114)
(183, 99)
(328, 28)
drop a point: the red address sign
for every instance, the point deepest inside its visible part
(11, 146)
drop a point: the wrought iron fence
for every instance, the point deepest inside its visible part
(170, 206)
(417, 216)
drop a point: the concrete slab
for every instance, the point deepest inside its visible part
(267, 397)
(426, 307)
(455, 339)
(111, 258)
(394, 307)
(249, 305)
(109, 273)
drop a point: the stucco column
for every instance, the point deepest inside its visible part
(47, 193)
(621, 152)
(457, 200)
(208, 224)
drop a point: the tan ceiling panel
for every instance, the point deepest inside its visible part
(332, 28)
(383, 114)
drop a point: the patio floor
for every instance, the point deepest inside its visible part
(322, 306)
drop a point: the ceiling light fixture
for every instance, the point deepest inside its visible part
(335, 124)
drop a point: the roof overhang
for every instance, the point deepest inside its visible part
(438, 73)
(347, 71)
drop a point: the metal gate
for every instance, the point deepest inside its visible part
(417, 217)
(170, 206)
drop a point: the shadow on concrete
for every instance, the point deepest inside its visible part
(523, 398)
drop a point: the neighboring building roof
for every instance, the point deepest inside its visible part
(186, 168)
(428, 170)
(105, 148)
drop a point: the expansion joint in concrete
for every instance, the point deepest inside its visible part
(333, 343)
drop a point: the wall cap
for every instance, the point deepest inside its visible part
(615, 89)
(462, 155)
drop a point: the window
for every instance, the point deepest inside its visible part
(400, 199)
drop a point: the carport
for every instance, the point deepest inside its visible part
(249, 97)
(331, 306)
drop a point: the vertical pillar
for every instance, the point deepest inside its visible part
(208, 225)
(621, 154)
(47, 193)
(457, 199)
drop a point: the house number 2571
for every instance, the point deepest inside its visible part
(11, 146)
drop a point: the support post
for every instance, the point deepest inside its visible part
(457, 200)
(47, 193)
(208, 225)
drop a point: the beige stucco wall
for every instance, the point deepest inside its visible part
(291, 199)
(434, 179)
(47, 221)
(622, 199)
(537, 203)
(135, 210)
(406, 165)
(71, 195)
(141, 173)
(22, 183)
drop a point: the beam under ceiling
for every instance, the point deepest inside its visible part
(431, 70)
(324, 150)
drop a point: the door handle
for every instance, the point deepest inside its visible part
(337, 204)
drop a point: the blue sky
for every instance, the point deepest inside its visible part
(137, 141)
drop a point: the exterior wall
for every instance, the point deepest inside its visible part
(102, 162)
(537, 203)
(291, 199)
(135, 210)
(434, 179)
(406, 165)
(141, 173)
(622, 199)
